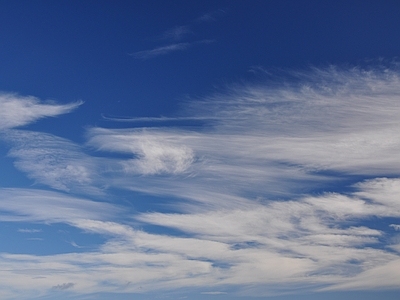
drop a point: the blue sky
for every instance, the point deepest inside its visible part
(199, 150)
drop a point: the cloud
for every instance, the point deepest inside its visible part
(175, 34)
(153, 119)
(277, 138)
(18, 110)
(395, 227)
(64, 286)
(32, 205)
(158, 51)
(261, 147)
(381, 276)
(54, 161)
(154, 155)
(244, 193)
(273, 244)
(312, 241)
(26, 230)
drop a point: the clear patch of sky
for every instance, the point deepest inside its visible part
(46, 239)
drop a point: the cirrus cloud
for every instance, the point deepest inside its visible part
(16, 110)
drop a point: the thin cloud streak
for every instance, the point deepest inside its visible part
(26, 230)
(153, 119)
(163, 50)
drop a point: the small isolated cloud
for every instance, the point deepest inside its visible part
(64, 286)
(146, 54)
(16, 110)
(214, 293)
(395, 227)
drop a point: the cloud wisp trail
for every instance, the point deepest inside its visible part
(163, 50)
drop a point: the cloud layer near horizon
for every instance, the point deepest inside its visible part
(241, 189)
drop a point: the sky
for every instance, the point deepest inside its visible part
(199, 150)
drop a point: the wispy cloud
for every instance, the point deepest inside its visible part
(176, 33)
(153, 119)
(266, 138)
(26, 230)
(273, 141)
(34, 205)
(395, 227)
(273, 244)
(270, 140)
(238, 190)
(146, 54)
(54, 161)
(16, 110)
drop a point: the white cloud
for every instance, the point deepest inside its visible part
(274, 243)
(38, 205)
(18, 110)
(154, 154)
(245, 216)
(274, 139)
(395, 226)
(381, 276)
(27, 230)
(54, 161)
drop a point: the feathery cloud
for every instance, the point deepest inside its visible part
(34, 205)
(241, 213)
(158, 51)
(53, 161)
(18, 110)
